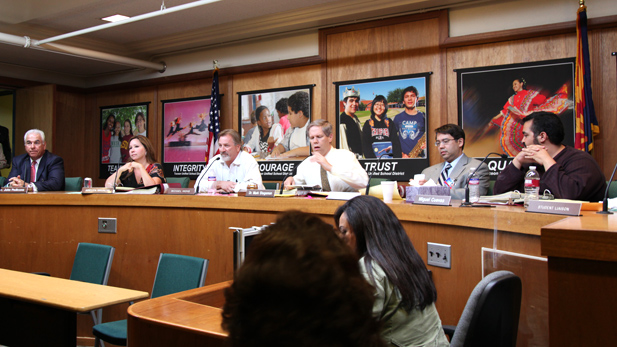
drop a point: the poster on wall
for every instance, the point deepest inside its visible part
(118, 124)
(493, 100)
(265, 120)
(185, 136)
(383, 121)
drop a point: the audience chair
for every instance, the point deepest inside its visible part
(92, 264)
(73, 184)
(184, 181)
(2, 181)
(271, 185)
(612, 190)
(175, 273)
(491, 315)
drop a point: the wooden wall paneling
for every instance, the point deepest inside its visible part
(604, 83)
(70, 135)
(35, 109)
(389, 50)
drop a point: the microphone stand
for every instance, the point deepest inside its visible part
(605, 201)
(116, 178)
(467, 203)
(368, 185)
(201, 176)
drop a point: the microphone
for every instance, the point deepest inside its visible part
(368, 185)
(205, 172)
(116, 178)
(467, 203)
(605, 201)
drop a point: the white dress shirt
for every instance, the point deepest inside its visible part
(347, 175)
(243, 170)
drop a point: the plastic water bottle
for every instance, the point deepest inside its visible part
(474, 187)
(532, 185)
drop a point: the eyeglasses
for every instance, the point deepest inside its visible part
(36, 143)
(444, 141)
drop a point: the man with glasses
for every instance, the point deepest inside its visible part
(455, 170)
(38, 169)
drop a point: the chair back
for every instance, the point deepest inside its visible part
(2, 181)
(92, 263)
(177, 273)
(491, 315)
(184, 181)
(612, 189)
(73, 184)
(271, 185)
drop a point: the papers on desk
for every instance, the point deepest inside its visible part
(342, 195)
(508, 198)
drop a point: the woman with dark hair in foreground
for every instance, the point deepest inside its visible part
(404, 292)
(300, 285)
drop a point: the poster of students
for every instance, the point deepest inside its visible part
(266, 117)
(494, 99)
(185, 136)
(118, 124)
(383, 121)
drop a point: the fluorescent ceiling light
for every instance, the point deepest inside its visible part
(115, 18)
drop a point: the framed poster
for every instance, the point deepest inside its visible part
(383, 121)
(185, 136)
(263, 132)
(118, 124)
(492, 101)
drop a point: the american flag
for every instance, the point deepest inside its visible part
(586, 121)
(214, 127)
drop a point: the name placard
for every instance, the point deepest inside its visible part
(180, 191)
(97, 190)
(255, 193)
(555, 207)
(439, 200)
(14, 190)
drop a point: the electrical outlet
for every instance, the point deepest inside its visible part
(107, 225)
(439, 255)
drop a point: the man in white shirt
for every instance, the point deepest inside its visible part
(332, 169)
(232, 170)
(295, 142)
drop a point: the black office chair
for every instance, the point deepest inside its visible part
(491, 315)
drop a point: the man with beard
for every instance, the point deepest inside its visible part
(410, 124)
(567, 172)
(232, 170)
(350, 130)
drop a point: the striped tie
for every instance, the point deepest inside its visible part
(444, 174)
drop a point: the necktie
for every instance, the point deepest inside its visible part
(325, 185)
(444, 174)
(33, 172)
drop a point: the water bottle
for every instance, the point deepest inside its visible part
(532, 185)
(474, 187)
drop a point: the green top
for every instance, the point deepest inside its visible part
(399, 327)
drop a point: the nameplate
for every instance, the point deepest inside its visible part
(555, 207)
(255, 193)
(14, 190)
(180, 191)
(97, 190)
(439, 200)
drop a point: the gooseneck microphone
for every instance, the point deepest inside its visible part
(201, 176)
(368, 185)
(605, 201)
(467, 203)
(116, 177)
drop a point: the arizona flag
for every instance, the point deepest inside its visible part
(213, 140)
(586, 121)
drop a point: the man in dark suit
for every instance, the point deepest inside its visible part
(48, 168)
(456, 168)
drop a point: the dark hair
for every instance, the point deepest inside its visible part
(549, 123)
(380, 238)
(130, 126)
(150, 155)
(258, 112)
(351, 97)
(299, 101)
(522, 80)
(107, 119)
(113, 131)
(452, 129)
(281, 106)
(380, 98)
(409, 89)
(300, 285)
(234, 135)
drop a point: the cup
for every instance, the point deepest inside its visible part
(418, 177)
(387, 188)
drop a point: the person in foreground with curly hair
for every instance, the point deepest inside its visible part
(300, 285)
